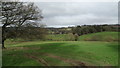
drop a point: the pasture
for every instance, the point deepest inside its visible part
(63, 53)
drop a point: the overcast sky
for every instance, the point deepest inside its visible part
(59, 14)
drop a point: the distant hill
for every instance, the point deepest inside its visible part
(100, 36)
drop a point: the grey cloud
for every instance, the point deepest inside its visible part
(79, 13)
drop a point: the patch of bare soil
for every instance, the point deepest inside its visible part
(40, 60)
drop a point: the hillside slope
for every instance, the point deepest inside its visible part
(101, 36)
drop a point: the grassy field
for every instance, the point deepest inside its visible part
(60, 37)
(100, 36)
(62, 53)
(97, 49)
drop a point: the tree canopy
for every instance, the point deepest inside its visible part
(18, 14)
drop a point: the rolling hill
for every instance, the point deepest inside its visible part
(100, 36)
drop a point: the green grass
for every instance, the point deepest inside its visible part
(97, 49)
(90, 53)
(60, 37)
(57, 37)
(100, 36)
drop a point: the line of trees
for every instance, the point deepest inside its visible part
(86, 29)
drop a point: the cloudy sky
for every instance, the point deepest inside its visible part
(60, 14)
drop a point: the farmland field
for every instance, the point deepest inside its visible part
(103, 51)
(62, 53)
(100, 36)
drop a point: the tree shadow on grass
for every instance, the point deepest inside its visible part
(54, 47)
(114, 47)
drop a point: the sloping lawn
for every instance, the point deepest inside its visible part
(100, 36)
(62, 53)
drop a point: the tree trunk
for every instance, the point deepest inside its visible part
(75, 39)
(3, 47)
(3, 36)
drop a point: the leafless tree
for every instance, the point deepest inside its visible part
(16, 14)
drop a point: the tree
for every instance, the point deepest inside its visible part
(76, 37)
(31, 32)
(77, 30)
(16, 14)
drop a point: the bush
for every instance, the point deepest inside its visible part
(70, 37)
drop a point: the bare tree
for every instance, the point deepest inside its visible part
(16, 14)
